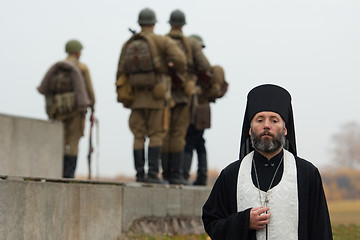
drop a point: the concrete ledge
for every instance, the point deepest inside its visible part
(38, 208)
(59, 210)
(30, 147)
(162, 202)
(170, 225)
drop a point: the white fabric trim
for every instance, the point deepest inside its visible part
(283, 199)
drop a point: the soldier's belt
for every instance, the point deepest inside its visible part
(143, 88)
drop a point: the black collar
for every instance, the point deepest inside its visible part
(262, 161)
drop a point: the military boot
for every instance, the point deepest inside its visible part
(69, 166)
(176, 165)
(187, 164)
(165, 166)
(201, 177)
(139, 160)
(153, 157)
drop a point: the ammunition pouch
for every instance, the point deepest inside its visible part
(202, 117)
(189, 87)
(125, 94)
(159, 90)
(60, 103)
(162, 89)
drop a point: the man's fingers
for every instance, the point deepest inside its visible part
(259, 218)
(264, 217)
(259, 210)
(260, 224)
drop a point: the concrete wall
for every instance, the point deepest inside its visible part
(46, 209)
(59, 210)
(30, 147)
(161, 201)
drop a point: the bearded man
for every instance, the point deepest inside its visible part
(270, 193)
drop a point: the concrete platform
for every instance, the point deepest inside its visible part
(52, 209)
(42, 206)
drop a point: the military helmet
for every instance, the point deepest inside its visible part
(73, 46)
(147, 17)
(177, 18)
(199, 39)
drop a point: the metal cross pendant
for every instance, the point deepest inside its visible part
(266, 201)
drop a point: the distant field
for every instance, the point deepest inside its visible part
(345, 212)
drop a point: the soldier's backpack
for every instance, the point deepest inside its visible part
(138, 56)
(218, 83)
(61, 80)
(138, 62)
(58, 87)
(61, 85)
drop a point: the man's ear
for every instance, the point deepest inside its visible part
(250, 131)
(285, 131)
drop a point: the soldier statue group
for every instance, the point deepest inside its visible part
(166, 81)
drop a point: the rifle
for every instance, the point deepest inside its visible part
(205, 77)
(193, 105)
(166, 116)
(132, 30)
(91, 148)
(176, 78)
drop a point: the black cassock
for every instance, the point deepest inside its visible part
(223, 222)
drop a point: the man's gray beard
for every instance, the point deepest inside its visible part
(267, 145)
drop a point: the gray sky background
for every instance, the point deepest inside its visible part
(310, 47)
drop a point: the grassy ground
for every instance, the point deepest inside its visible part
(350, 232)
(187, 237)
(345, 220)
(345, 212)
(340, 232)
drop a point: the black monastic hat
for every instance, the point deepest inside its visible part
(272, 98)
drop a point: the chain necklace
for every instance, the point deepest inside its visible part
(266, 201)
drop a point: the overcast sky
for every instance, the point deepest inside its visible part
(309, 47)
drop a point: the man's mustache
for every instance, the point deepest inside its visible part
(266, 133)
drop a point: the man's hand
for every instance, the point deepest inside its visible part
(259, 218)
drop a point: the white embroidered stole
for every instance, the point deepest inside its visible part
(283, 199)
